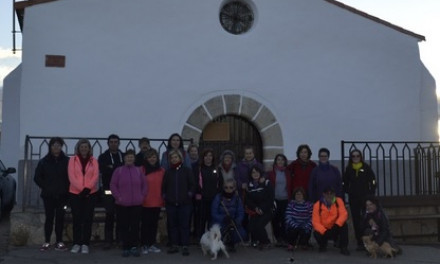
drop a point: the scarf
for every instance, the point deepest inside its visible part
(83, 162)
(280, 168)
(357, 167)
(324, 201)
(176, 166)
(228, 195)
(226, 167)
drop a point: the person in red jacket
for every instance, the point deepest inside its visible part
(153, 201)
(83, 171)
(302, 167)
(329, 220)
(280, 178)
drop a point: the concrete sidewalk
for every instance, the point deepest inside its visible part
(411, 255)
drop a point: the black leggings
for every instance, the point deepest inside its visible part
(149, 223)
(357, 208)
(54, 208)
(129, 221)
(257, 227)
(278, 219)
(82, 217)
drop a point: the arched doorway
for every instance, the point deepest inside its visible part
(241, 106)
(231, 132)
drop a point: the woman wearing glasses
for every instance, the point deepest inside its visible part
(359, 182)
(227, 211)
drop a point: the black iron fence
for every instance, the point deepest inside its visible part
(37, 147)
(401, 168)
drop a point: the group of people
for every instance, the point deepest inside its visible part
(298, 199)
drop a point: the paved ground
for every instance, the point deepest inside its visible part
(411, 254)
(5, 225)
(427, 254)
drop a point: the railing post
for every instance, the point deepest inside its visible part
(25, 173)
(342, 156)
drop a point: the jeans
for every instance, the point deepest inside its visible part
(179, 217)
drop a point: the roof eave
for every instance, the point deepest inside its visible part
(378, 20)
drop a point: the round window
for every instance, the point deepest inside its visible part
(236, 17)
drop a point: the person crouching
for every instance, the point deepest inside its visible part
(329, 219)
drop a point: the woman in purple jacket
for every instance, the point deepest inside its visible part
(323, 176)
(129, 189)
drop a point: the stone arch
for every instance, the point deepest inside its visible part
(256, 112)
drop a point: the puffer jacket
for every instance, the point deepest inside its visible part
(78, 180)
(51, 176)
(324, 218)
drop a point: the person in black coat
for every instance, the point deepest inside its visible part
(359, 182)
(208, 185)
(51, 176)
(177, 190)
(259, 204)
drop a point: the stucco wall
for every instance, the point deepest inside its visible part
(141, 68)
(10, 150)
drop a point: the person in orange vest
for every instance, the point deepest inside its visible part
(329, 220)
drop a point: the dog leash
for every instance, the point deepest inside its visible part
(233, 222)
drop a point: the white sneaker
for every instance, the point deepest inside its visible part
(154, 249)
(85, 249)
(145, 250)
(76, 248)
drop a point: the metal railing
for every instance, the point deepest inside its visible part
(37, 147)
(402, 168)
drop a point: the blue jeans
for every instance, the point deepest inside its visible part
(179, 218)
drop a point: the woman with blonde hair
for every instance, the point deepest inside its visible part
(83, 171)
(177, 190)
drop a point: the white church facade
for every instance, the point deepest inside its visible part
(300, 71)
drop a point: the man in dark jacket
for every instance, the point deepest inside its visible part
(108, 162)
(144, 146)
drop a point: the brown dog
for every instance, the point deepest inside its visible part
(387, 250)
(373, 248)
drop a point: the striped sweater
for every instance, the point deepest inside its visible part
(299, 215)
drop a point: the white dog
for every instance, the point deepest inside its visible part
(211, 242)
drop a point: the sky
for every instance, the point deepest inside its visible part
(418, 16)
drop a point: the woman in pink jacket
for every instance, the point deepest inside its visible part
(83, 171)
(129, 189)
